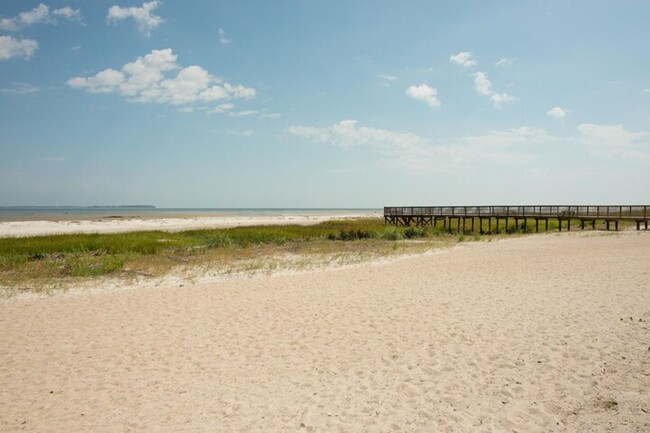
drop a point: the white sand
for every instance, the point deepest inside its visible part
(121, 225)
(518, 335)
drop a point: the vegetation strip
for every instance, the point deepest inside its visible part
(26, 260)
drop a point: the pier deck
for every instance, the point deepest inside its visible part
(465, 217)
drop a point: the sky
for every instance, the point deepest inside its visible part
(304, 103)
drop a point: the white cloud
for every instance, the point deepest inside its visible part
(11, 47)
(646, 90)
(222, 108)
(484, 86)
(39, 15)
(509, 137)
(107, 81)
(246, 133)
(615, 141)
(143, 16)
(409, 151)
(464, 59)
(558, 113)
(310, 132)
(147, 80)
(424, 93)
(19, 89)
(68, 13)
(240, 91)
(347, 134)
(272, 115)
(223, 40)
(243, 113)
(147, 71)
(214, 93)
(189, 84)
(387, 80)
(513, 146)
(505, 61)
(498, 99)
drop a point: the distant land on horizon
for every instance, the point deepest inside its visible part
(138, 206)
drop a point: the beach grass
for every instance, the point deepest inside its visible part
(40, 261)
(25, 261)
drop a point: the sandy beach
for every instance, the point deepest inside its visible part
(122, 224)
(530, 334)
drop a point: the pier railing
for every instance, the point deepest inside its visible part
(631, 212)
(564, 214)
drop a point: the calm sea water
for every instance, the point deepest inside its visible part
(53, 211)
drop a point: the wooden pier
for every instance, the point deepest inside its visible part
(469, 218)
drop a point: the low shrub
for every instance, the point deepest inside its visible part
(349, 235)
(414, 232)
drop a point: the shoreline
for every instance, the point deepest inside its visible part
(116, 223)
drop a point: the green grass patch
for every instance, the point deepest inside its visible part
(23, 260)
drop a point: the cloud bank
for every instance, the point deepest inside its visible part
(615, 141)
(405, 150)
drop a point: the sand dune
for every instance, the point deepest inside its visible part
(533, 334)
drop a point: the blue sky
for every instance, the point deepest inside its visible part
(324, 104)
